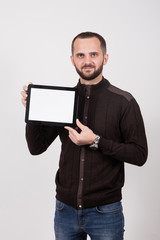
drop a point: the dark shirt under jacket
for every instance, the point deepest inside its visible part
(88, 178)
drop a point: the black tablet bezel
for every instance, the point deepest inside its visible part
(75, 110)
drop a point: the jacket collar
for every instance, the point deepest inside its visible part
(104, 82)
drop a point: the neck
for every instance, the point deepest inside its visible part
(91, 82)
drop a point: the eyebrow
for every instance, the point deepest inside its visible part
(89, 52)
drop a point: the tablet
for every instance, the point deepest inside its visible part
(51, 105)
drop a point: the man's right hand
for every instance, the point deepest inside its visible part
(24, 94)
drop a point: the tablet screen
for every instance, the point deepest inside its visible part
(51, 105)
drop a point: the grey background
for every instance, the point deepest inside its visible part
(35, 38)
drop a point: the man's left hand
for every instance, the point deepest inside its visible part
(85, 137)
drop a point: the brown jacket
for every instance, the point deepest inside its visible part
(88, 178)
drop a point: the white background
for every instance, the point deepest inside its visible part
(35, 38)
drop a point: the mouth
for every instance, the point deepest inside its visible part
(88, 68)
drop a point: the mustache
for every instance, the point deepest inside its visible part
(88, 65)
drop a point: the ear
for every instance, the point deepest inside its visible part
(105, 59)
(72, 60)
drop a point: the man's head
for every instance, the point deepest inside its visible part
(85, 35)
(89, 55)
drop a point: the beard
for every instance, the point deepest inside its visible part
(91, 76)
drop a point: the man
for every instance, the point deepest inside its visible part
(109, 132)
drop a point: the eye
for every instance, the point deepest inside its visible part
(94, 54)
(80, 55)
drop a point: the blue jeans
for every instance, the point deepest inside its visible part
(100, 223)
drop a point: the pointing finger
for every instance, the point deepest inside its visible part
(79, 124)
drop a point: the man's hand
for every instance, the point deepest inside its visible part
(85, 137)
(24, 95)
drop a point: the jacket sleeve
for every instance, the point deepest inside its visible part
(39, 137)
(133, 147)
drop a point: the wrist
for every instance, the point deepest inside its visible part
(94, 145)
(93, 139)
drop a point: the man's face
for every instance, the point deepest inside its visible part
(88, 58)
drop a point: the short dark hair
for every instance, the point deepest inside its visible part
(84, 35)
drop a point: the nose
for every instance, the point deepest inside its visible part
(88, 59)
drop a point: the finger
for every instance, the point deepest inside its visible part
(68, 128)
(25, 88)
(24, 102)
(24, 94)
(79, 124)
(73, 139)
(74, 136)
(30, 83)
(72, 132)
(71, 129)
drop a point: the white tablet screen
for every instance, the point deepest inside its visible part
(54, 105)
